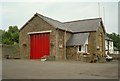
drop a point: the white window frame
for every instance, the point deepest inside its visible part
(82, 46)
(79, 48)
(86, 48)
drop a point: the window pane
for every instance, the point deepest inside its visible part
(79, 48)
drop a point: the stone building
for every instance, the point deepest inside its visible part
(42, 36)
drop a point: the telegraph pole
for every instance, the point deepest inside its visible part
(65, 37)
(99, 8)
(104, 14)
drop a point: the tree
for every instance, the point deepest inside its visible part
(11, 36)
(6, 38)
(1, 31)
(13, 29)
(116, 39)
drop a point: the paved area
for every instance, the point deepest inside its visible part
(30, 69)
(0, 69)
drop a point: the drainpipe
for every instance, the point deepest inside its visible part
(56, 44)
(65, 44)
(108, 47)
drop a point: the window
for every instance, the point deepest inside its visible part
(101, 42)
(79, 49)
(86, 47)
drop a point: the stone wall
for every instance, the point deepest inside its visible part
(61, 47)
(72, 52)
(96, 42)
(100, 41)
(10, 51)
(92, 43)
(61, 38)
(0, 51)
(115, 56)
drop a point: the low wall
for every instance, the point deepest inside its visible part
(0, 51)
(10, 51)
(115, 56)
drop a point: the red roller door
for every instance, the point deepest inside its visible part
(39, 45)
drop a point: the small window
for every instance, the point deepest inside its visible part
(86, 47)
(79, 49)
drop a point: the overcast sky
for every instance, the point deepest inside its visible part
(18, 13)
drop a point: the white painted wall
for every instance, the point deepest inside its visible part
(83, 47)
(111, 47)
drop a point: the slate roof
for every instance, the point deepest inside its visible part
(73, 26)
(116, 49)
(107, 38)
(78, 39)
(55, 23)
(84, 25)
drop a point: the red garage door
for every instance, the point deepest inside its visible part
(39, 45)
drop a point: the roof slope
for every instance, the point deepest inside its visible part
(107, 38)
(78, 39)
(84, 25)
(73, 26)
(55, 23)
(115, 48)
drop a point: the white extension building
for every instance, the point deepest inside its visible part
(110, 47)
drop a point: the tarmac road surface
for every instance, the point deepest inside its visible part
(31, 69)
(0, 69)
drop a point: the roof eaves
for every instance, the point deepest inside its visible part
(84, 31)
(73, 41)
(51, 23)
(103, 26)
(65, 30)
(82, 20)
(41, 16)
(101, 23)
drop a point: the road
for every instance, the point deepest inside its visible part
(31, 69)
(0, 69)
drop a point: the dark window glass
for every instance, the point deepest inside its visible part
(79, 48)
